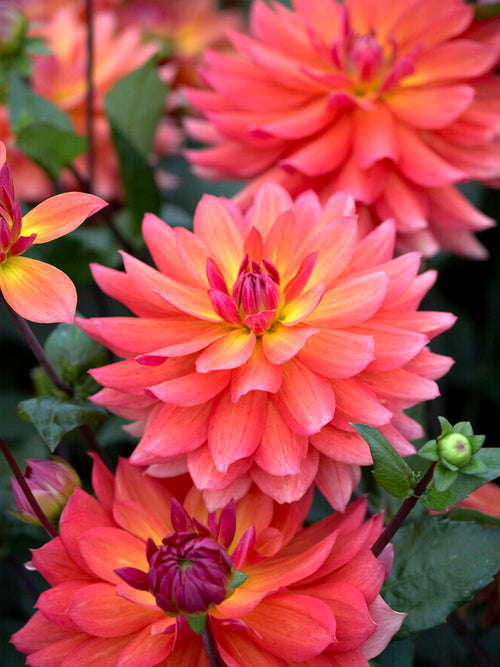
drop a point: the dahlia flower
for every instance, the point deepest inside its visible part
(260, 338)
(310, 597)
(35, 290)
(61, 78)
(393, 101)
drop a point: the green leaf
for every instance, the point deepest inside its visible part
(27, 108)
(465, 484)
(465, 514)
(134, 108)
(51, 148)
(443, 478)
(197, 623)
(54, 417)
(72, 352)
(429, 451)
(439, 565)
(390, 470)
(43, 132)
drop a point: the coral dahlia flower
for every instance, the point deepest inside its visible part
(35, 290)
(260, 338)
(394, 101)
(310, 597)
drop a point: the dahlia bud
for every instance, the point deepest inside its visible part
(454, 448)
(52, 482)
(12, 28)
(190, 571)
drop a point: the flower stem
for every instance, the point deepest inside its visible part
(39, 352)
(210, 647)
(397, 520)
(41, 357)
(26, 489)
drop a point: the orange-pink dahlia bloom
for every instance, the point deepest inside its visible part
(35, 290)
(310, 597)
(394, 101)
(260, 338)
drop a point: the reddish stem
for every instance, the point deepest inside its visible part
(397, 520)
(26, 489)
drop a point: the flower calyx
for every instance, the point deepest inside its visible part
(454, 452)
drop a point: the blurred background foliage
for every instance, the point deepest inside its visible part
(470, 391)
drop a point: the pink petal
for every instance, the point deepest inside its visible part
(257, 373)
(192, 389)
(351, 301)
(305, 400)
(121, 287)
(270, 202)
(288, 488)
(37, 291)
(337, 353)
(145, 650)
(39, 633)
(430, 108)
(60, 215)
(388, 623)
(98, 610)
(393, 346)
(342, 446)
(356, 402)
(218, 223)
(53, 563)
(172, 430)
(302, 306)
(374, 136)
(55, 654)
(337, 481)
(399, 387)
(103, 651)
(292, 627)
(231, 351)
(281, 343)
(281, 451)
(160, 239)
(457, 59)
(235, 429)
(105, 549)
(206, 476)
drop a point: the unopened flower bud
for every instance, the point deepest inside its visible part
(52, 482)
(12, 28)
(455, 449)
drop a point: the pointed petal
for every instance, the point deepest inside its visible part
(145, 650)
(235, 429)
(342, 446)
(192, 389)
(301, 307)
(305, 400)
(281, 451)
(430, 108)
(388, 623)
(337, 353)
(37, 291)
(337, 481)
(288, 488)
(231, 351)
(279, 622)
(206, 476)
(98, 610)
(60, 215)
(257, 373)
(282, 343)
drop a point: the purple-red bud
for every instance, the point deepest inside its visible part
(52, 481)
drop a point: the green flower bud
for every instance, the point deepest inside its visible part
(455, 449)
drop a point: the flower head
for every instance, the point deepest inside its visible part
(51, 482)
(308, 595)
(393, 101)
(260, 338)
(35, 290)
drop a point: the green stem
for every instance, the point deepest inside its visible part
(397, 521)
(26, 489)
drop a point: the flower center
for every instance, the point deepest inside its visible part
(364, 60)
(254, 298)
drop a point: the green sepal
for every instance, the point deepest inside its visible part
(238, 579)
(429, 451)
(390, 469)
(476, 442)
(446, 427)
(464, 428)
(474, 467)
(197, 623)
(443, 477)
